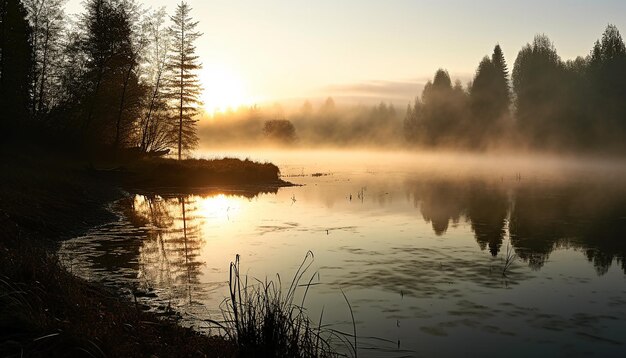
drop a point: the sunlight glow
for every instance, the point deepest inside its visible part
(220, 207)
(223, 89)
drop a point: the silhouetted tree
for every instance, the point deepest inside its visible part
(608, 78)
(280, 130)
(412, 121)
(483, 102)
(15, 62)
(444, 110)
(130, 102)
(502, 90)
(577, 129)
(47, 20)
(184, 87)
(489, 98)
(156, 126)
(537, 80)
(108, 47)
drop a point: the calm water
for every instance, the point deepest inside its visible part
(417, 243)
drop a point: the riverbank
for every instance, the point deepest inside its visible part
(46, 311)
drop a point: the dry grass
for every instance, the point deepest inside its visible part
(265, 321)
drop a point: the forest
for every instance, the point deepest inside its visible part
(117, 76)
(121, 75)
(545, 103)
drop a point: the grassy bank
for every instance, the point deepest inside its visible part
(145, 173)
(44, 310)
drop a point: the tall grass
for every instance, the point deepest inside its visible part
(264, 321)
(508, 260)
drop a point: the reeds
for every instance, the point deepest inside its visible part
(264, 321)
(508, 259)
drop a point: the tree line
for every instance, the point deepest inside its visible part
(118, 76)
(544, 103)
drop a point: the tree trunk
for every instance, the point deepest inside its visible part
(44, 68)
(118, 123)
(92, 105)
(182, 90)
(155, 93)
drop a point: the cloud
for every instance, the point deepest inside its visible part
(399, 93)
(394, 91)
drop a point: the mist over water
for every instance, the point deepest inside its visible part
(418, 242)
(480, 209)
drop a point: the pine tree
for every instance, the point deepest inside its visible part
(184, 87)
(490, 97)
(502, 92)
(108, 46)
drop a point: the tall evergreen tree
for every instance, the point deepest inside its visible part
(502, 91)
(15, 61)
(483, 96)
(108, 46)
(130, 102)
(184, 87)
(489, 98)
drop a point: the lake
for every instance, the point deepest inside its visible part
(438, 254)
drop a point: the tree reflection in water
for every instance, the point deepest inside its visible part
(170, 254)
(541, 218)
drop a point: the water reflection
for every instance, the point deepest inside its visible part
(543, 217)
(590, 218)
(424, 253)
(170, 254)
(488, 211)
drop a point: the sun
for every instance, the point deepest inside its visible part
(223, 89)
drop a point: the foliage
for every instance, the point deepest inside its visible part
(537, 81)
(15, 63)
(577, 104)
(440, 116)
(280, 130)
(47, 20)
(156, 125)
(183, 85)
(489, 99)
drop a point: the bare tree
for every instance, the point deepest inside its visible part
(155, 124)
(47, 21)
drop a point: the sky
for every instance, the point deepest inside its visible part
(362, 50)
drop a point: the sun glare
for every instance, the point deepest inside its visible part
(218, 207)
(223, 89)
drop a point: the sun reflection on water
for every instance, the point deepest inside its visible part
(219, 207)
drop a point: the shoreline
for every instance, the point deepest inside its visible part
(46, 201)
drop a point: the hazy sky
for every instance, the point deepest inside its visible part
(266, 50)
